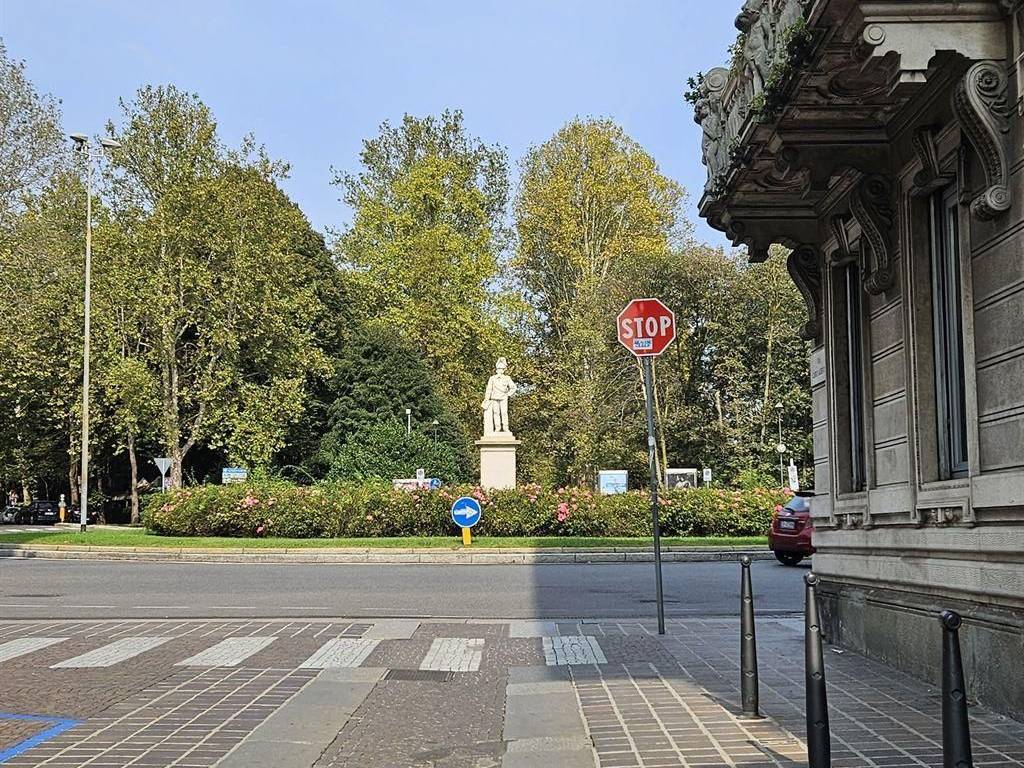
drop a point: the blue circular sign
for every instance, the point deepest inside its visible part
(466, 512)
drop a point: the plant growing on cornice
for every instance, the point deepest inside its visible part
(791, 53)
(736, 58)
(695, 89)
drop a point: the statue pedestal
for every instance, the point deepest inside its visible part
(498, 461)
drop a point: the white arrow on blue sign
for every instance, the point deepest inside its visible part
(466, 512)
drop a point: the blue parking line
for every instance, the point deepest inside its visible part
(60, 725)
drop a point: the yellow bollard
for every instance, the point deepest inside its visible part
(467, 536)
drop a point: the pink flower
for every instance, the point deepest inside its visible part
(562, 516)
(778, 507)
(259, 530)
(249, 501)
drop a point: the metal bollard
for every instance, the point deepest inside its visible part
(819, 739)
(748, 645)
(956, 730)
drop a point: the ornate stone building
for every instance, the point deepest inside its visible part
(883, 142)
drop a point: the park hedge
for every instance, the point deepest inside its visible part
(280, 509)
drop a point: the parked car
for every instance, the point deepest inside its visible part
(790, 534)
(37, 511)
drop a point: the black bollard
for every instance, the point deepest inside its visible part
(956, 730)
(819, 740)
(748, 645)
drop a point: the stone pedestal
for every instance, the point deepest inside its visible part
(498, 461)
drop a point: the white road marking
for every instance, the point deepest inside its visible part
(229, 652)
(341, 652)
(454, 654)
(532, 629)
(572, 649)
(113, 653)
(12, 649)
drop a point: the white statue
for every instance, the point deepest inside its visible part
(499, 389)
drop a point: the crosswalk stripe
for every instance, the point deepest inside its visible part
(341, 652)
(12, 649)
(567, 650)
(113, 653)
(454, 654)
(229, 652)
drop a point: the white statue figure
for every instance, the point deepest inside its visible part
(499, 389)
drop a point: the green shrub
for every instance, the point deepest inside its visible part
(267, 507)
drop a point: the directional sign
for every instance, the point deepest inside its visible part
(466, 512)
(646, 327)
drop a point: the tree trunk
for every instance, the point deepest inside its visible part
(659, 424)
(73, 482)
(172, 425)
(133, 461)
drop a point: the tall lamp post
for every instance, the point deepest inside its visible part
(90, 154)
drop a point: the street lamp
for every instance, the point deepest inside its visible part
(90, 154)
(781, 447)
(408, 421)
(434, 424)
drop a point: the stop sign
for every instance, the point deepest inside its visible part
(646, 327)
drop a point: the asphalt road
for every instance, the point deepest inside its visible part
(91, 589)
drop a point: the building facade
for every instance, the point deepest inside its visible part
(883, 143)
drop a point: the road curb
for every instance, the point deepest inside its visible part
(468, 556)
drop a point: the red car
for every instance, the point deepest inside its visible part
(790, 535)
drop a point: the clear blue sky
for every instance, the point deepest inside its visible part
(312, 79)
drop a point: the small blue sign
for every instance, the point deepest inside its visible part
(435, 483)
(466, 512)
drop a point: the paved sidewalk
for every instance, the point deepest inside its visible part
(297, 693)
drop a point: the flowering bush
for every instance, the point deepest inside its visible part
(276, 508)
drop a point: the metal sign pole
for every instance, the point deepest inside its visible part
(649, 392)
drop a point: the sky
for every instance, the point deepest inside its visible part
(313, 79)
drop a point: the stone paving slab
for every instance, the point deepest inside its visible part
(652, 701)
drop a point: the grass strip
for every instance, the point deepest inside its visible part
(137, 537)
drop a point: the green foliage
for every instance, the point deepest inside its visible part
(592, 209)
(384, 451)
(272, 508)
(428, 230)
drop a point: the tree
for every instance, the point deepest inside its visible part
(592, 205)
(377, 377)
(383, 451)
(231, 302)
(31, 143)
(425, 242)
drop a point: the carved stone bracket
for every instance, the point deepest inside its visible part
(805, 271)
(930, 177)
(844, 252)
(980, 107)
(871, 206)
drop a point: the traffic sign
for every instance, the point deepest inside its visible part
(466, 512)
(163, 464)
(646, 327)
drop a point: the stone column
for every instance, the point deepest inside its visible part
(498, 461)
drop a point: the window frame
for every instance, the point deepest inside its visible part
(948, 335)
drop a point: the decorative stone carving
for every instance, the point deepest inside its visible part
(805, 271)
(930, 177)
(980, 107)
(722, 105)
(871, 206)
(784, 175)
(843, 253)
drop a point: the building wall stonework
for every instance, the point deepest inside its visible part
(892, 112)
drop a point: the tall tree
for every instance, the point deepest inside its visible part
(591, 205)
(426, 240)
(231, 302)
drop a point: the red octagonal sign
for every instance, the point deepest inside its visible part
(646, 327)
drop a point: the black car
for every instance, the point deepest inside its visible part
(38, 511)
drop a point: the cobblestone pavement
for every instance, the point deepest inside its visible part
(403, 693)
